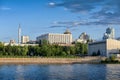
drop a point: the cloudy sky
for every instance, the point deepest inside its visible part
(55, 16)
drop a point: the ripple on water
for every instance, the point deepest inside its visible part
(60, 72)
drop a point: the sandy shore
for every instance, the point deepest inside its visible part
(50, 60)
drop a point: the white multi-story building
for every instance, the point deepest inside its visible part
(55, 38)
(24, 39)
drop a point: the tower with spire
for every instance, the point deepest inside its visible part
(19, 34)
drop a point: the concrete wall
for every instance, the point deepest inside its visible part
(94, 47)
(113, 46)
(107, 47)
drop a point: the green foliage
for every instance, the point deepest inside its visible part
(24, 50)
(44, 49)
(43, 42)
(111, 59)
(81, 48)
(63, 54)
(94, 54)
(98, 53)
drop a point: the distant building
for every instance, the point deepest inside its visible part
(55, 38)
(109, 34)
(12, 42)
(24, 39)
(19, 34)
(31, 42)
(16, 44)
(83, 38)
(106, 48)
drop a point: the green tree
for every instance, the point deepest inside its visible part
(98, 53)
(8, 50)
(24, 51)
(81, 48)
(72, 50)
(63, 53)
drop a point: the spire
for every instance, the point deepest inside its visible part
(19, 34)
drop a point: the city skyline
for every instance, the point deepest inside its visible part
(55, 16)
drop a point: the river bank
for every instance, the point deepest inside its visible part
(50, 60)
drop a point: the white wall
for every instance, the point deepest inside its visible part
(94, 47)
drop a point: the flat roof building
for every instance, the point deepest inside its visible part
(55, 38)
(24, 39)
(105, 47)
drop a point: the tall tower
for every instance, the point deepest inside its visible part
(19, 34)
(110, 33)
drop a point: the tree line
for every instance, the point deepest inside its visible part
(44, 50)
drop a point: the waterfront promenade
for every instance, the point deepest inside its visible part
(50, 60)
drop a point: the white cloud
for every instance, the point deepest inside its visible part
(101, 11)
(52, 4)
(5, 8)
(66, 9)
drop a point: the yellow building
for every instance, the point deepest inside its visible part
(24, 39)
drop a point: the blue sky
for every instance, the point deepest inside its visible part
(55, 16)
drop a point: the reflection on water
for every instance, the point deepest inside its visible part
(64, 72)
(60, 72)
(113, 72)
(19, 72)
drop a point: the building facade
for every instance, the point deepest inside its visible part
(12, 42)
(24, 39)
(106, 47)
(54, 38)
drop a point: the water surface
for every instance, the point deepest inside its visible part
(60, 72)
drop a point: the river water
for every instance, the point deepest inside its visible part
(60, 72)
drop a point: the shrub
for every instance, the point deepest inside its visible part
(112, 58)
(94, 54)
